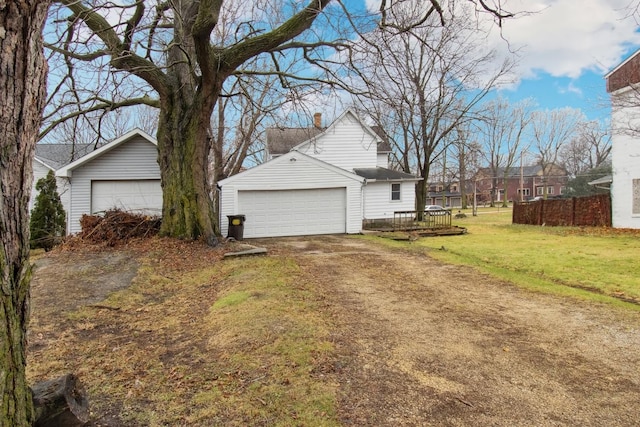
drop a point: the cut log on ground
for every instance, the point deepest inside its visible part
(61, 402)
(253, 251)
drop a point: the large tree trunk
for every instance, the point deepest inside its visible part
(422, 188)
(183, 145)
(22, 95)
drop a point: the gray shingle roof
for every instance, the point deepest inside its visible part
(382, 174)
(282, 140)
(59, 155)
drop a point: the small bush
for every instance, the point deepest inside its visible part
(48, 220)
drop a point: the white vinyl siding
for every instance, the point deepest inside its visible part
(346, 144)
(382, 160)
(292, 171)
(39, 171)
(625, 155)
(377, 204)
(135, 159)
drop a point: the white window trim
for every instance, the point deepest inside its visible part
(399, 199)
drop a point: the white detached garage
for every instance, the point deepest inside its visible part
(123, 174)
(293, 195)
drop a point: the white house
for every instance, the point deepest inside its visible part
(318, 181)
(123, 174)
(623, 83)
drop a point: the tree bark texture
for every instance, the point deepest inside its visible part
(183, 145)
(22, 94)
(61, 402)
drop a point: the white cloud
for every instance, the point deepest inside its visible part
(571, 88)
(568, 37)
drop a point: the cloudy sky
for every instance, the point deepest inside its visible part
(567, 47)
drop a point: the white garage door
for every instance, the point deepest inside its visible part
(293, 212)
(142, 196)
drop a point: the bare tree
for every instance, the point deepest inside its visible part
(466, 151)
(428, 80)
(551, 130)
(176, 56)
(502, 129)
(22, 97)
(247, 106)
(590, 148)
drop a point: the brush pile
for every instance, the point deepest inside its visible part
(117, 226)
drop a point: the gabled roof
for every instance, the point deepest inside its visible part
(291, 156)
(282, 140)
(625, 74)
(514, 171)
(55, 156)
(67, 170)
(383, 174)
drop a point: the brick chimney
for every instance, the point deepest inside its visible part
(317, 120)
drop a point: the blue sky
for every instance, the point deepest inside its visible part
(565, 49)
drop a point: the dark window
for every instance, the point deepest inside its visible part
(395, 191)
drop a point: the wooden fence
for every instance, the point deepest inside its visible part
(577, 211)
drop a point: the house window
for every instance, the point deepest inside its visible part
(539, 191)
(562, 190)
(454, 188)
(525, 191)
(636, 197)
(549, 190)
(395, 191)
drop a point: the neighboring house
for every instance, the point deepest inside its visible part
(622, 85)
(122, 174)
(530, 180)
(448, 196)
(318, 181)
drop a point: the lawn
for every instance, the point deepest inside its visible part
(566, 260)
(193, 340)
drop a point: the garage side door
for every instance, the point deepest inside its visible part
(293, 212)
(136, 196)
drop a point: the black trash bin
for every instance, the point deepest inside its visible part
(236, 226)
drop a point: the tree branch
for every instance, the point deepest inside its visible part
(121, 57)
(294, 26)
(106, 105)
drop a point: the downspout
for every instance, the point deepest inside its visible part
(364, 201)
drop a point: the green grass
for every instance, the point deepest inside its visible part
(564, 260)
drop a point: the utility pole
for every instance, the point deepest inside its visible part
(521, 178)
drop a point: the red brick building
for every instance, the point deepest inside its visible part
(534, 183)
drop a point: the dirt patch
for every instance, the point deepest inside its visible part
(417, 342)
(74, 279)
